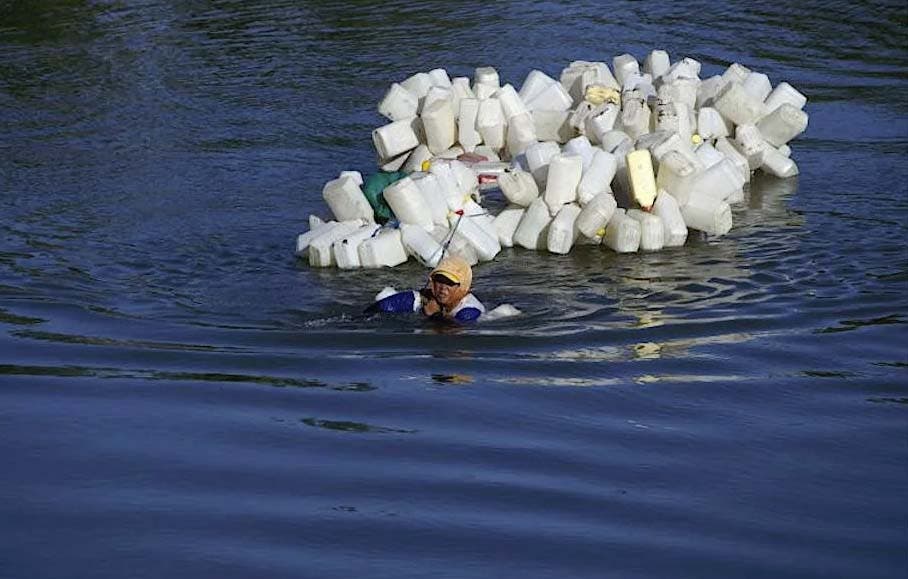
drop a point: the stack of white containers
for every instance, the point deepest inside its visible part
(630, 156)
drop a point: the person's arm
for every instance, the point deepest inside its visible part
(401, 302)
(467, 314)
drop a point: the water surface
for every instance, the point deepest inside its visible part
(181, 397)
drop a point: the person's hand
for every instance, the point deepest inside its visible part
(431, 307)
(427, 294)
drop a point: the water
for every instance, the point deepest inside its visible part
(180, 397)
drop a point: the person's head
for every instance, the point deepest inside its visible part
(451, 280)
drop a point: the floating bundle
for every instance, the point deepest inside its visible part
(630, 157)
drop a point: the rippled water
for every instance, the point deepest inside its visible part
(180, 397)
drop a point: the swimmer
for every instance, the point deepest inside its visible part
(446, 295)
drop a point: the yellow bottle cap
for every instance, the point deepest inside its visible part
(601, 232)
(425, 165)
(696, 139)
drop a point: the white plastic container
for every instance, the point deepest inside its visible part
(346, 200)
(460, 85)
(394, 139)
(448, 184)
(778, 164)
(710, 124)
(315, 229)
(735, 73)
(440, 78)
(484, 91)
(490, 123)
(460, 247)
(580, 74)
(511, 103)
(521, 133)
(506, 224)
(420, 244)
(533, 84)
(652, 233)
(553, 97)
(708, 89)
(518, 187)
(468, 136)
(438, 122)
(707, 213)
(784, 93)
(486, 75)
(320, 247)
(622, 234)
(634, 118)
(783, 124)
(563, 229)
(656, 63)
(750, 143)
(394, 163)
(674, 118)
(737, 105)
(758, 85)
(433, 196)
(684, 68)
(731, 152)
(384, 250)
(722, 181)
(598, 176)
(624, 66)
(408, 204)
(346, 250)
(398, 103)
(485, 245)
(674, 143)
(355, 175)
(437, 94)
(681, 91)
(677, 174)
(564, 175)
(532, 232)
(538, 157)
(596, 214)
(553, 125)
(580, 146)
(674, 232)
(467, 180)
(613, 140)
(481, 217)
(597, 126)
(708, 154)
(417, 157)
(418, 84)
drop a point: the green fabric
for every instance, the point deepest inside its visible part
(373, 189)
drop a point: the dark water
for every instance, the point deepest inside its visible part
(179, 397)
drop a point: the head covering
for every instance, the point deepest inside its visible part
(457, 270)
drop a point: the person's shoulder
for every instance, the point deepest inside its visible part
(469, 309)
(400, 302)
(471, 301)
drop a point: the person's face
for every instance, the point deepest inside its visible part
(443, 289)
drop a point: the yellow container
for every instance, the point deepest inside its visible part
(642, 177)
(597, 94)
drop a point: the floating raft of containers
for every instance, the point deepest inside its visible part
(631, 157)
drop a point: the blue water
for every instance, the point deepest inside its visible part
(181, 397)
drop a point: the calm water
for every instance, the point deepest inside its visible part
(179, 397)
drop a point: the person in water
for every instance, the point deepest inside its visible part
(446, 296)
